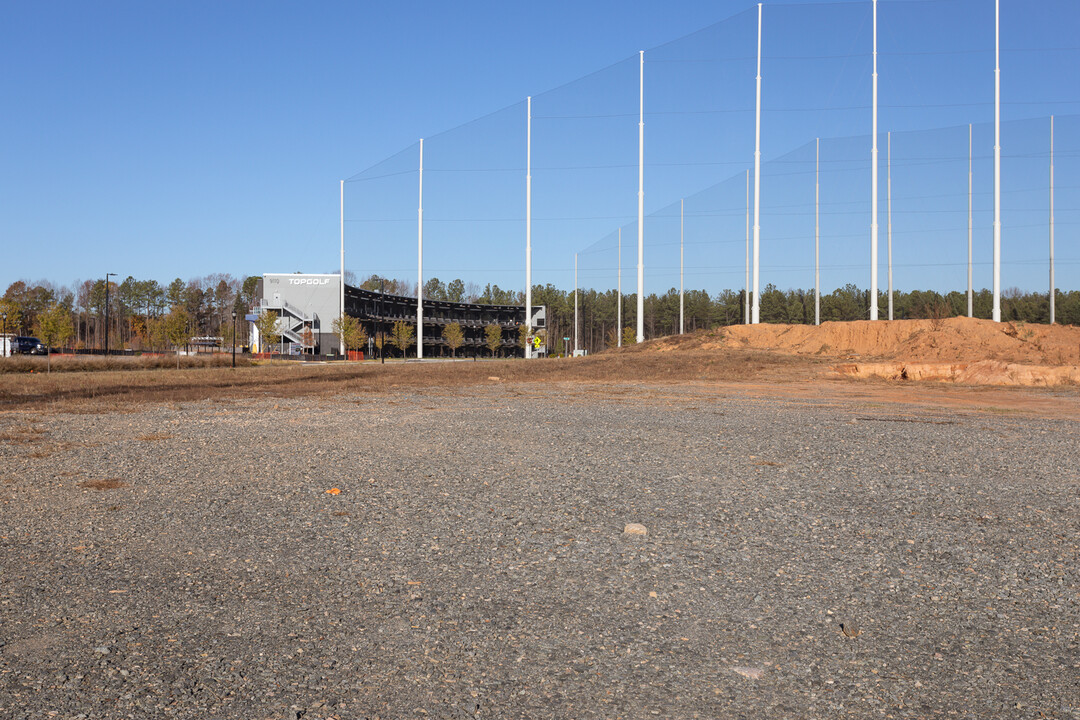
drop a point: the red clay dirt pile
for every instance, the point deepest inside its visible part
(958, 349)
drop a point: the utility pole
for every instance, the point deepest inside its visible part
(874, 189)
(420, 264)
(888, 221)
(640, 210)
(528, 225)
(756, 308)
(997, 161)
(817, 234)
(344, 350)
(971, 291)
(1053, 290)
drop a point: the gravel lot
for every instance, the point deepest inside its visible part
(187, 560)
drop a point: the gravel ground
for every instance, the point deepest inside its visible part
(803, 559)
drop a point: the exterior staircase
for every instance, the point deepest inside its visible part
(291, 319)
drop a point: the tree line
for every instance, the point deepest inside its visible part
(139, 309)
(598, 310)
(140, 313)
(456, 290)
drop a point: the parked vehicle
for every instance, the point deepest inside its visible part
(27, 346)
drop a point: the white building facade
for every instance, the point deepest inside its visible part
(307, 307)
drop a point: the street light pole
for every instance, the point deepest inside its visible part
(382, 328)
(6, 344)
(234, 337)
(107, 312)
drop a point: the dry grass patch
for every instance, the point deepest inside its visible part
(25, 435)
(121, 391)
(106, 484)
(24, 364)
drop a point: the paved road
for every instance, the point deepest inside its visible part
(187, 561)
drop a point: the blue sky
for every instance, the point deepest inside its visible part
(177, 139)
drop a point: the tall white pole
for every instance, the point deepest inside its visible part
(682, 304)
(755, 311)
(997, 161)
(1053, 290)
(817, 234)
(746, 295)
(618, 312)
(344, 350)
(888, 216)
(528, 224)
(575, 305)
(874, 189)
(641, 209)
(420, 263)
(971, 289)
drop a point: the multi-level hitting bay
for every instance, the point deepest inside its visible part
(306, 302)
(378, 312)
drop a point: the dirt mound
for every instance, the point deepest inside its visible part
(985, 372)
(957, 340)
(962, 350)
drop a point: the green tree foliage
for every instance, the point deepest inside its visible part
(267, 327)
(493, 338)
(455, 291)
(174, 293)
(352, 331)
(454, 337)
(155, 333)
(31, 301)
(403, 336)
(629, 336)
(494, 295)
(54, 328)
(176, 330)
(195, 302)
(14, 320)
(391, 286)
(134, 304)
(435, 289)
(131, 305)
(153, 295)
(246, 297)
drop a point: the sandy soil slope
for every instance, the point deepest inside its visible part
(955, 350)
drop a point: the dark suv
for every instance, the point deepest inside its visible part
(27, 346)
